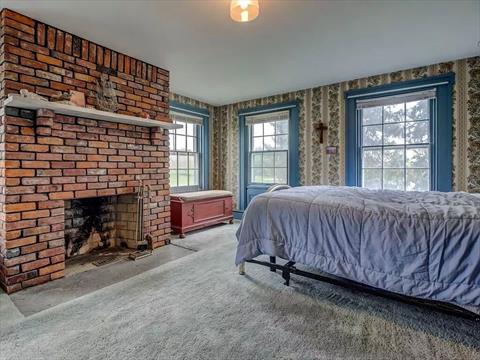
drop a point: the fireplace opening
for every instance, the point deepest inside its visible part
(102, 229)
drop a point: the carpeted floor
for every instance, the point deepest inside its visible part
(198, 307)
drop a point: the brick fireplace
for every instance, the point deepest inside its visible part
(50, 162)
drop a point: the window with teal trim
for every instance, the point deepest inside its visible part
(185, 153)
(269, 149)
(399, 136)
(268, 153)
(395, 145)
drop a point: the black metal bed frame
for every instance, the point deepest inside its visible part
(289, 268)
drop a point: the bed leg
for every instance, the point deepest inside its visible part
(273, 260)
(241, 268)
(289, 266)
(286, 277)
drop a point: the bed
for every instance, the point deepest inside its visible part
(424, 245)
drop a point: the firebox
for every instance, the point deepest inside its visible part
(102, 223)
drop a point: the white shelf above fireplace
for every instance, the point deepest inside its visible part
(18, 101)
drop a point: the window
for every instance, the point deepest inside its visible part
(268, 153)
(395, 144)
(399, 136)
(186, 152)
(269, 149)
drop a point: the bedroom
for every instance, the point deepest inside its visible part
(177, 176)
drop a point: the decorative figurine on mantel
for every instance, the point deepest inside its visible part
(106, 95)
(78, 98)
(63, 98)
(30, 95)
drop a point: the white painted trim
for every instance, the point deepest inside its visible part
(18, 101)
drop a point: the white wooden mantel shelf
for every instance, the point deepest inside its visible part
(18, 101)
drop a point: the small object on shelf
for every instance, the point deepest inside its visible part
(63, 98)
(30, 95)
(77, 98)
(106, 95)
(144, 114)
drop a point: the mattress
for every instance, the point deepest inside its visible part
(421, 244)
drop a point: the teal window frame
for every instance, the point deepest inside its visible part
(203, 138)
(293, 153)
(441, 127)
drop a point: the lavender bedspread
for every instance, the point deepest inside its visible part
(423, 244)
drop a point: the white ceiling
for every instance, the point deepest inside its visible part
(292, 44)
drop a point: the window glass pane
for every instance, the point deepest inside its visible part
(394, 113)
(372, 178)
(281, 159)
(418, 110)
(371, 116)
(185, 166)
(372, 158)
(418, 157)
(418, 180)
(268, 175)
(257, 159)
(393, 134)
(269, 143)
(182, 177)
(393, 154)
(257, 144)
(418, 132)
(393, 179)
(191, 144)
(193, 161)
(173, 161)
(173, 177)
(180, 143)
(394, 158)
(191, 129)
(193, 177)
(280, 175)
(372, 135)
(281, 127)
(268, 158)
(269, 128)
(181, 131)
(269, 152)
(282, 142)
(182, 161)
(257, 175)
(257, 129)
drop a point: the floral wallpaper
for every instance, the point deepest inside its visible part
(326, 104)
(473, 112)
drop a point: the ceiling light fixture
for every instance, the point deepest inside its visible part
(244, 10)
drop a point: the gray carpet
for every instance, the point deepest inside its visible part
(198, 307)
